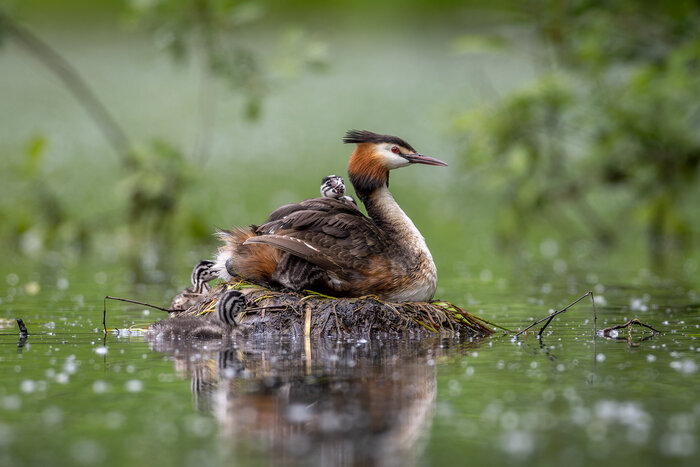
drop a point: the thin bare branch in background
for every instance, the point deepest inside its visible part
(75, 83)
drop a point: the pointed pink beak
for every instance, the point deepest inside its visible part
(421, 159)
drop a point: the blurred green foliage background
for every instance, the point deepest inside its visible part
(131, 129)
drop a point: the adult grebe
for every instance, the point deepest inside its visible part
(328, 245)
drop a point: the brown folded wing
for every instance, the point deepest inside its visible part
(329, 233)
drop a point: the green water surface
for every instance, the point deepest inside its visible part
(71, 395)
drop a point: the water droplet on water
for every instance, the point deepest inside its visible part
(12, 279)
(684, 366)
(32, 288)
(87, 452)
(12, 402)
(298, 413)
(560, 266)
(678, 444)
(27, 386)
(201, 427)
(134, 385)
(6, 435)
(52, 416)
(548, 395)
(114, 420)
(509, 420)
(100, 278)
(70, 366)
(516, 442)
(454, 388)
(637, 304)
(99, 386)
(580, 416)
(549, 248)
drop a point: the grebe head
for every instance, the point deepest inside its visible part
(375, 155)
(333, 186)
(201, 274)
(229, 305)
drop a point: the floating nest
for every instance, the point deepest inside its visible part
(316, 315)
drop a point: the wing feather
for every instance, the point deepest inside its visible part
(330, 233)
(297, 247)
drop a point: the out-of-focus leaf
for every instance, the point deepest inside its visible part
(33, 157)
(299, 52)
(473, 44)
(246, 13)
(620, 111)
(253, 109)
(2, 29)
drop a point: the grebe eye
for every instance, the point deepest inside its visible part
(395, 149)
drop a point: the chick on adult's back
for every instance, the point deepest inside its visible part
(329, 246)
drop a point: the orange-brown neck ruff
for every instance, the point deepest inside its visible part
(413, 273)
(367, 174)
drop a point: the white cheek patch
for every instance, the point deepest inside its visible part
(394, 162)
(391, 160)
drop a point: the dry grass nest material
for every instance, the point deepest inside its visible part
(313, 314)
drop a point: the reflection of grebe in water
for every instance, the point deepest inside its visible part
(317, 402)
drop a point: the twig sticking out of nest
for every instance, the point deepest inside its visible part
(550, 317)
(23, 333)
(315, 314)
(607, 332)
(22, 328)
(603, 332)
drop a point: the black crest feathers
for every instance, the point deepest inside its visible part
(366, 136)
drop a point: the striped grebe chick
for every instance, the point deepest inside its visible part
(229, 305)
(333, 186)
(328, 245)
(202, 273)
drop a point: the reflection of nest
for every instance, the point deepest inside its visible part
(314, 314)
(318, 401)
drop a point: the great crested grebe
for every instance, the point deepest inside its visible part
(202, 273)
(328, 245)
(333, 186)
